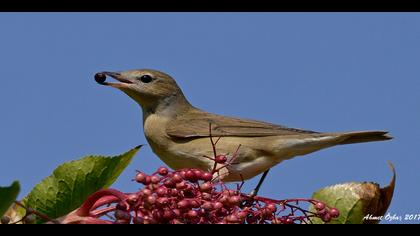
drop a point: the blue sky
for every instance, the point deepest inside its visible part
(318, 71)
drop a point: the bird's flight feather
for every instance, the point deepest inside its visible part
(195, 123)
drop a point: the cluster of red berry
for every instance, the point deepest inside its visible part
(189, 196)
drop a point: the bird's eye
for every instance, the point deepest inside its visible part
(146, 78)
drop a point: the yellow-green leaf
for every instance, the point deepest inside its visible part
(72, 182)
(358, 203)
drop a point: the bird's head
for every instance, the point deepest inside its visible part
(149, 88)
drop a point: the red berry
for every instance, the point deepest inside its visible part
(151, 199)
(289, 221)
(169, 184)
(154, 179)
(207, 206)
(206, 196)
(176, 212)
(132, 198)
(121, 206)
(168, 215)
(194, 203)
(177, 178)
(234, 200)
(141, 178)
(161, 191)
(206, 187)
(163, 171)
(181, 185)
(220, 159)
(148, 180)
(217, 205)
(138, 220)
(334, 213)
(192, 214)
(174, 192)
(271, 207)
(183, 204)
(190, 176)
(206, 176)
(162, 201)
(326, 218)
(232, 219)
(182, 173)
(224, 200)
(146, 192)
(198, 174)
(122, 215)
(242, 215)
(319, 206)
(251, 219)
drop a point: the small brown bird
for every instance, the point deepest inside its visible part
(179, 132)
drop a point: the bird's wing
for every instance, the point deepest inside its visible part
(196, 123)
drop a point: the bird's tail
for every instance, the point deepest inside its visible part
(363, 136)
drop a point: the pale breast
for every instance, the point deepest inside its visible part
(175, 155)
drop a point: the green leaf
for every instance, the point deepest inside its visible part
(7, 196)
(356, 201)
(72, 182)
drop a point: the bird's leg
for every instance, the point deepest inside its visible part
(257, 188)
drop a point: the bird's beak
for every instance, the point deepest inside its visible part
(122, 83)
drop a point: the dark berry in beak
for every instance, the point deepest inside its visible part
(100, 78)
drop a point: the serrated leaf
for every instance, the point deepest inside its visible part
(357, 202)
(7, 196)
(72, 182)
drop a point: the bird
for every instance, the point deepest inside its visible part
(178, 132)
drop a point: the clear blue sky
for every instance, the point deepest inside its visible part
(318, 71)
